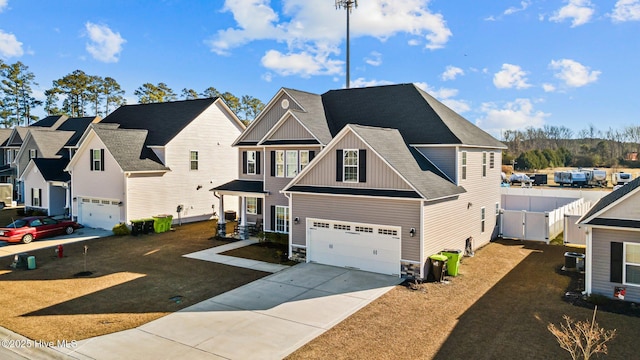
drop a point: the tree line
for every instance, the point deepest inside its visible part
(79, 94)
(552, 146)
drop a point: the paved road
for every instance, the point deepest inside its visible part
(7, 249)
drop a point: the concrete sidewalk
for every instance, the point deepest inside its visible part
(213, 255)
(266, 319)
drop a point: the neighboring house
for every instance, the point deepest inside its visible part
(5, 167)
(374, 178)
(56, 142)
(10, 149)
(46, 185)
(613, 244)
(151, 159)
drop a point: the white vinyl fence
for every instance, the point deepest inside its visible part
(573, 234)
(540, 218)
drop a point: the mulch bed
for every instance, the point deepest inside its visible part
(132, 280)
(263, 251)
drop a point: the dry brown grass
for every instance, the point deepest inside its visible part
(497, 308)
(133, 282)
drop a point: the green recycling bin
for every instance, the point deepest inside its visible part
(438, 264)
(162, 223)
(453, 262)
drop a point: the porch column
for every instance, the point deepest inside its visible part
(222, 223)
(242, 227)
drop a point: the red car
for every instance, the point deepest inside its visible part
(36, 227)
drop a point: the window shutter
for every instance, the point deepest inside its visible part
(259, 205)
(362, 165)
(91, 159)
(312, 154)
(615, 272)
(273, 218)
(257, 162)
(32, 197)
(244, 162)
(40, 197)
(339, 165)
(101, 159)
(273, 163)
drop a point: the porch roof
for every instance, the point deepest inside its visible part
(241, 186)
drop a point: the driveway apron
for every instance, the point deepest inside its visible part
(267, 319)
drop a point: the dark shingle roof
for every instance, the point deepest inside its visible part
(608, 200)
(50, 142)
(4, 136)
(428, 180)
(78, 126)
(162, 120)
(241, 186)
(51, 121)
(419, 117)
(53, 169)
(128, 149)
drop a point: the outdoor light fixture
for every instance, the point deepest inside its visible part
(469, 204)
(198, 187)
(75, 199)
(296, 220)
(412, 232)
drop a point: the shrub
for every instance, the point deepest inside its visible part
(582, 339)
(121, 229)
(277, 238)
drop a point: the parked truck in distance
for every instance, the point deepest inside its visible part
(620, 178)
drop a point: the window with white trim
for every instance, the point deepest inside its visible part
(251, 162)
(282, 219)
(194, 160)
(484, 164)
(33, 153)
(279, 163)
(35, 197)
(464, 166)
(497, 209)
(350, 165)
(8, 156)
(292, 163)
(482, 219)
(96, 158)
(304, 159)
(632, 263)
(252, 205)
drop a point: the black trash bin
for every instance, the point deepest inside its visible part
(136, 227)
(147, 227)
(438, 267)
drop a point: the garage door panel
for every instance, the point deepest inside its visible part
(99, 213)
(371, 248)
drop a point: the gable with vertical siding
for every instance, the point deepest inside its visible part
(256, 131)
(290, 129)
(378, 174)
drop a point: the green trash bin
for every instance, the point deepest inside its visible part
(438, 264)
(453, 262)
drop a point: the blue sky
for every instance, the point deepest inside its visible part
(500, 64)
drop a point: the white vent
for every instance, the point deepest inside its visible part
(285, 104)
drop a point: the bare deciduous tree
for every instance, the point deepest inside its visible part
(582, 339)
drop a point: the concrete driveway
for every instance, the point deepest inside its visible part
(266, 319)
(7, 249)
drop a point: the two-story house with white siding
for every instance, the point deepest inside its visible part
(396, 176)
(154, 159)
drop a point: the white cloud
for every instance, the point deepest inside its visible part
(523, 6)
(315, 29)
(511, 76)
(105, 45)
(579, 11)
(3, 4)
(626, 10)
(451, 72)
(445, 95)
(548, 87)
(573, 73)
(9, 45)
(362, 82)
(303, 64)
(518, 114)
(375, 59)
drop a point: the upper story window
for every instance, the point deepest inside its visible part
(484, 164)
(8, 156)
(33, 153)
(492, 160)
(292, 163)
(350, 164)
(464, 166)
(304, 159)
(279, 163)
(251, 162)
(194, 160)
(97, 159)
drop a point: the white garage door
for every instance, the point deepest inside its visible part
(98, 213)
(366, 247)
